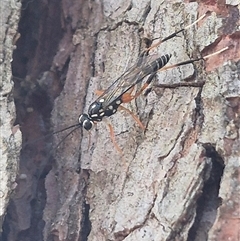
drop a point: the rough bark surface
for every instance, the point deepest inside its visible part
(176, 180)
(10, 135)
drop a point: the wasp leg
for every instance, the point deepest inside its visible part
(177, 85)
(99, 92)
(112, 136)
(133, 116)
(127, 97)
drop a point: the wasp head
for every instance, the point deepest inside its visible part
(85, 121)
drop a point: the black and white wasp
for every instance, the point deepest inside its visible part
(120, 91)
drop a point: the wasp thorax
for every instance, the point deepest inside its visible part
(85, 122)
(96, 111)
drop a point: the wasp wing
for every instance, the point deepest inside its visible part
(131, 77)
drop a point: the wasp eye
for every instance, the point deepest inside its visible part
(87, 124)
(85, 121)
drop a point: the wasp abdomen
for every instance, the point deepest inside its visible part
(156, 64)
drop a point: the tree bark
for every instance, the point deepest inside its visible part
(177, 179)
(10, 134)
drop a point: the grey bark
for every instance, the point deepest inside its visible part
(176, 180)
(10, 135)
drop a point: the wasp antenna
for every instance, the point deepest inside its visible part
(49, 135)
(64, 129)
(65, 137)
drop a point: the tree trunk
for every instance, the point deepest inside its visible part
(177, 179)
(10, 134)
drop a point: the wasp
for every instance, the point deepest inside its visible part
(120, 91)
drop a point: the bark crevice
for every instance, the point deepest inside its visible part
(209, 200)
